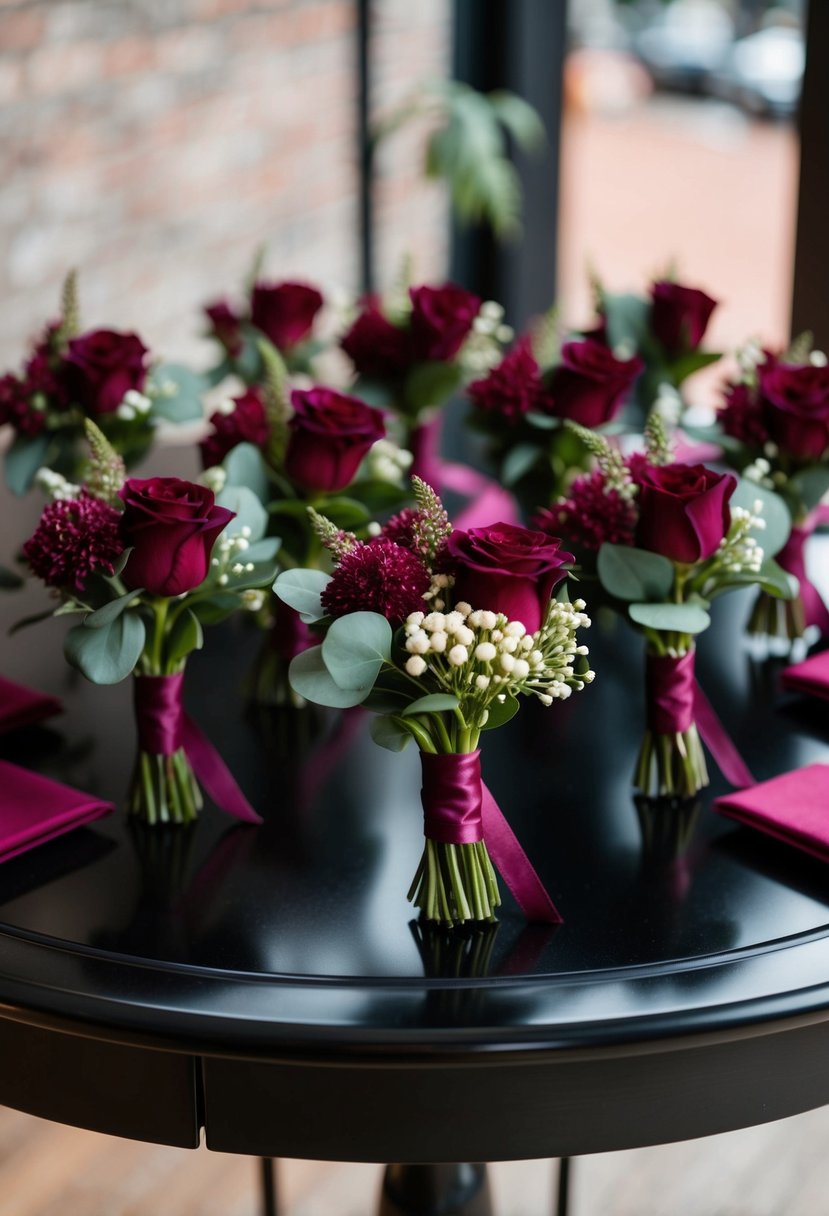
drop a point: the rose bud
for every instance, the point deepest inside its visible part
(679, 316)
(377, 348)
(507, 568)
(171, 526)
(590, 383)
(101, 367)
(795, 404)
(284, 312)
(246, 423)
(441, 320)
(225, 326)
(683, 510)
(330, 434)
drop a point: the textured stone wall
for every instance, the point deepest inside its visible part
(155, 144)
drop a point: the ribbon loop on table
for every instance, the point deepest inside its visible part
(792, 559)
(164, 727)
(459, 809)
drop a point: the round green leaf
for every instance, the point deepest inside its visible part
(301, 590)
(387, 732)
(106, 655)
(676, 618)
(110, 612)
(311, 679)
(185, 636)
(249, 511)
(245, 467)
(435, 702)
(810, 485)
(182, 405)
(501, 712)
(355, 648)
(22, 460)
(634, 574)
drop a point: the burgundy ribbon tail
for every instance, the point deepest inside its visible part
(164, 727)
(459, 809)
(792, 558)
(719, 743)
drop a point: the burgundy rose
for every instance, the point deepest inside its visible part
(441, 320)
(513, 388)
(589, 384)
(741, 415)
(246, 423)
(102, 366)
(171, 526)
(683, 510)
(330, 434)
(377, 348)
(507, 568)
(679, 316)
(225, 326)
(795, 404)
(284, 312)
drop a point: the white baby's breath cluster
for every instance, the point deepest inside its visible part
(483, 348)
(739, 551)
(387, 461)
(55, 486)
(215, 478)
(440, 585)
(759, 471)
(480, 656)
(228, 559)
(136, 405)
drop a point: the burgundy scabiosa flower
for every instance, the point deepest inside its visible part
(247, 422)
(75, 538)
(377, 577)
(591, 514)
(513, 388)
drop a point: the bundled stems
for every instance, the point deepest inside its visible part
(671, 766)
(782, 620)
(164, 789)
(671, 762)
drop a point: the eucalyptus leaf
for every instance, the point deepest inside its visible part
(346, 513)
(264, 550)
(634, 574)
(23, 459)
(431, 384)
(177, 392)
(543, 422)
(248, 510)
(501, 712)
(10, 580)
(34, 619)
(684, 366)
(435, 702)
(106, 655)
(257, 579)
(111, 611)
(627, 318)
(775, 513)
(811, 485)
(244, 466)
(301, 590)
(218, 607)
(676, 618)
(387, 732)
(518, 461)
(310, 677)
(185, 636)
(355, 648)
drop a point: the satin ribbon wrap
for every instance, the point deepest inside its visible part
(164, 727)
(669, 693)
(675, 701)
(792, 558)
(488, 500)
(459, 809)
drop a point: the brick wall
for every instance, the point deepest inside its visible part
(154, 144)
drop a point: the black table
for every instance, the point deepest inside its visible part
(270, 986)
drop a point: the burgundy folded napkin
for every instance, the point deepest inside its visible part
(812, 675)
(21, 706)
(793, 807)
(34, 809)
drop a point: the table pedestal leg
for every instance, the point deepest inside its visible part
(563, 1195)
(270, 1206)
(436, 1190)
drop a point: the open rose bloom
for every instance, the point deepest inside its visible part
(462, 623)
(664, 539)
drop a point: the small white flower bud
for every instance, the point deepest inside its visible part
(438, 642)
(515, 629)
(374, 528)
(463, 608)
(458, 655)
(486, 652)
(418, 643)
(414, 618)
(482, 681)
(508, 645)
(465, 636)
(415, 666)
(507, 663)
(454, 622)
(521, 669)
(545, 699)
(435, 620)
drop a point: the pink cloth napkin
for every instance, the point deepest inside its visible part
(21, 706)
(793, 807)
(34, 809)
(811, 676)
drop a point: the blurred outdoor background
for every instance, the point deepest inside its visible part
(156, 144)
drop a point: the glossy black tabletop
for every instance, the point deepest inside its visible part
(296, 937)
